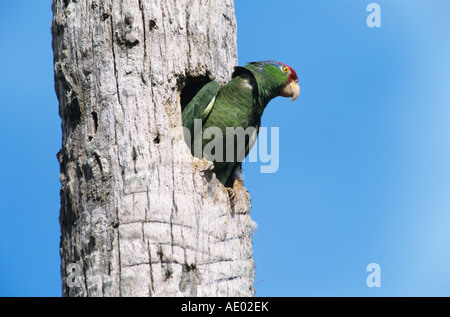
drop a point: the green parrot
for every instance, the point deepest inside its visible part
(238, 106)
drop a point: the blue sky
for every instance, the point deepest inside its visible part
(364, 172)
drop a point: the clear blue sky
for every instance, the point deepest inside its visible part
(364, 152)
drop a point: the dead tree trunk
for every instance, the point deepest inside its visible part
(137, 217)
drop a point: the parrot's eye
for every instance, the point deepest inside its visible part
(285, 69)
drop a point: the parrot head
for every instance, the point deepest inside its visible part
(291, 89)
(274, 78)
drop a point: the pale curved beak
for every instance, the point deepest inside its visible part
(291, 90)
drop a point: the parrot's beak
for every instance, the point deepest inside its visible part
(292, 89)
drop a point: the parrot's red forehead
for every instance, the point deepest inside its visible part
(293, 74)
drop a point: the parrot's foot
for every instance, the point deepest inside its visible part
(231, 193)
(209, 167)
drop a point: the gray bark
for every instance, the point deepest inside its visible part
(138, 218)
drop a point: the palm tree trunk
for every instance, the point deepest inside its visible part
(137, 216)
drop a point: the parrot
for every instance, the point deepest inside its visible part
(240, 103)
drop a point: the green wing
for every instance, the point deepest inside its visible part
(232, 107)
(201, 105)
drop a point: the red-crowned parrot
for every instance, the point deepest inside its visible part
(239, 103)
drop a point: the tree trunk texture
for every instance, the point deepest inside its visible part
(138, 217)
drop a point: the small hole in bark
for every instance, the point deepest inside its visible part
(105, 16)
(95, 121)
(73, 110)
(168, 273)
(134, 156)
(189, 268)
(152, 25)
(129, 19)
(91, 245)
(156, 140)
(191, 85)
